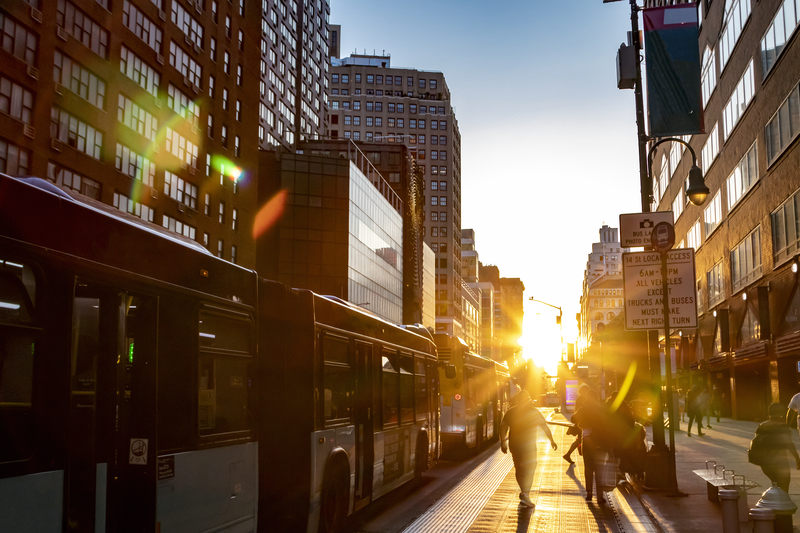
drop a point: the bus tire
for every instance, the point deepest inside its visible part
(478, 435)
(421, 462)
(333, 509)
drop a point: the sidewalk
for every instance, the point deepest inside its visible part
(487, 500)
(726, 443)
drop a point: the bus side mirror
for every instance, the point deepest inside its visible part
(450, 371)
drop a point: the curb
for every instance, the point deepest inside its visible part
(644, 521)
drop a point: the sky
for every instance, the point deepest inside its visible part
(549, 150)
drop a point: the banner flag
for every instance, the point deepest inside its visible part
(674, 97)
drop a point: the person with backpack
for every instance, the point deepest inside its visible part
(769, 446)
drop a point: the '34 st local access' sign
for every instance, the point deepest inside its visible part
(644, 307)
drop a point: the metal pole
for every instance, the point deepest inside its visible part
(646, 188)
(673, 474)
(644, 181)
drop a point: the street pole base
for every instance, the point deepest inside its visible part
(656, 473)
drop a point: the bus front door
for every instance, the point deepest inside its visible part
(365, 447)
(111, 472)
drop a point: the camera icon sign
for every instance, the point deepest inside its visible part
(646, 223)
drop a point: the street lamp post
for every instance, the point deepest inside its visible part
(697, 193)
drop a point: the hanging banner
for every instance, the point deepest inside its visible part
(674, 96)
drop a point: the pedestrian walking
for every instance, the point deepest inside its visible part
(582, 390)
(520, 423)
(716, 402)
(704, 401)
(593, 420)
(773, 439)
(682, 403)
(693, 406)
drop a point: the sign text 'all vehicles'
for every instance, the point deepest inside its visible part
(644, 289)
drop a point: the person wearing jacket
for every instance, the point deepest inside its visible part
(593, 419)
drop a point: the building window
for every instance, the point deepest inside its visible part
(17, 102)
(220, 248)
(713, 214)
(786, 229)
(736, 17)
(778, 34)
(784, 126)
(443, 200)
(693, 237)
(710, 150)
(75, 133)
(746, 260)
(715, 283)
(71, 180)
(743, 177)
(422, 83)
(709, 75)
(740, 99)
(677, 206)
(222, 212)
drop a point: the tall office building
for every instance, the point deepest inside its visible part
(146, 105)
(372, 101)
(601, 295)
(294, 71)
(470, 272)
(745, 234)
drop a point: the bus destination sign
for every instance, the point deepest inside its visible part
(642, 280)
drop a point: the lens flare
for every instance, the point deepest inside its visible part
(226, 167)
(626, 386)
(269, 214)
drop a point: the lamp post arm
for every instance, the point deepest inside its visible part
(672, 139)
(547, 304)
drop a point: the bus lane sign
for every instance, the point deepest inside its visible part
(643, 290)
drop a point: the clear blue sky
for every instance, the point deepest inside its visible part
(548, 141)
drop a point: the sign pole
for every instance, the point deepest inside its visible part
(663, 238)
(668, 364)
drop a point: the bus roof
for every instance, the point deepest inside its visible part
(37, 212)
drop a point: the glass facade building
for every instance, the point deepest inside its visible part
(338, 234)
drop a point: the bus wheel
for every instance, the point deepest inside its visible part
(422, 458)
(478, 436)
(334, 503)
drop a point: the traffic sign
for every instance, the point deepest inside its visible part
(642, 281)
(635, 228)
(663, 237)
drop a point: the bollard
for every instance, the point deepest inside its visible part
(729, 500)
(763, 520)
(776, 500)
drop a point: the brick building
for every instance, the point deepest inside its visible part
(746, 233)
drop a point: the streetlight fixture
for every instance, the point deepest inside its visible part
(696, 188)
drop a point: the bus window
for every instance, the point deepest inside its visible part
(224, 374)
(406, 388)
(389, 387)
(470, 377)
(420, 388)
(17, 343)
(337, 381)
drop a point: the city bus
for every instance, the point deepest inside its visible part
(147, 385)
(474, 395)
